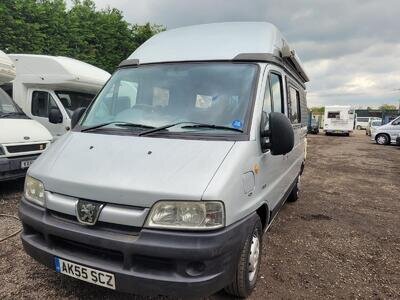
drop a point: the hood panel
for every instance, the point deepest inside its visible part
(129, 170)
(14, 131)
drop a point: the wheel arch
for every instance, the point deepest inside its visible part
(264, 213)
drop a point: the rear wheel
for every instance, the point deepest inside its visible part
(294, 194)
(358, 127)
(249, 264)
(382, 139)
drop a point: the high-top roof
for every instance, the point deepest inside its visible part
(7, 68)
(216, 41)
(57, 70)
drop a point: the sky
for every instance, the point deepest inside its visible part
(350, 48)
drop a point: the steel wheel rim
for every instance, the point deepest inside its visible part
(254, 256)
(381, 140)
(298, 185)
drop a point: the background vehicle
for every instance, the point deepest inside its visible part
(187, 171)
(338, 120)
(373, 123)
(313, 126)
(362, 122)
(44, 83)
(388, 133)
(21, 139)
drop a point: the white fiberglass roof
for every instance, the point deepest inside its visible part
(57, 70)
(216, 41)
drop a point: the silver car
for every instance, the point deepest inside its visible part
(169, 179)
(386, 134)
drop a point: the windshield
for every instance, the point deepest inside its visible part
(158, 95)
(74, 100)
(7, 105)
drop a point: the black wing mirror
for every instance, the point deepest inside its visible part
(76, 116)
(279, 137)
(55, 116)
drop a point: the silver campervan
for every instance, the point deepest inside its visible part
(171, 176)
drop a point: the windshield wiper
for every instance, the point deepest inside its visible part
(165, 127)
(194, 125)
(117, 123)
(212, 126)
(11, 114)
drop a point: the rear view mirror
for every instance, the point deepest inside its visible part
(55, 116)
(76, 116)
(279, 138)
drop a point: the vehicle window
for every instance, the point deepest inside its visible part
(333, 115)
(362, 119)
(6, 103)
(376, 123)
(294, 105)
(42, 103)
(276, 92)
(396, 122)
(74, 100)
(157, 95)
(267, 104)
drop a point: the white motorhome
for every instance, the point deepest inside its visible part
(338, 119)
(21, 139)
(45, 83)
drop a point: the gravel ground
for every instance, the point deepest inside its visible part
(340, 240)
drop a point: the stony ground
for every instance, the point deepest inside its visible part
(340, 240)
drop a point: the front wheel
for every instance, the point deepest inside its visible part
(249, 263)
(294, 194)
(382, 139)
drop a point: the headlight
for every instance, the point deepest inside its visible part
(187, 215)
(1, 150)
(34, 190)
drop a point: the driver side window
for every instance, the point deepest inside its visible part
(42, 103)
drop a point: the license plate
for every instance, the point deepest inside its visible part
(87, 274)
(26, 163)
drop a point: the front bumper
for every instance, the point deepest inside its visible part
(148, 262)
(10, 168)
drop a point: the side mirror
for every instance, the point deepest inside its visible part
(279, 138)
(55, 116)
(76, 116)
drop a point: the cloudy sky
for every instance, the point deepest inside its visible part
(350, 48)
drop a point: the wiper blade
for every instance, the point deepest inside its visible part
(117, 123)
(165, 127)
(212, 126)
(11, 114)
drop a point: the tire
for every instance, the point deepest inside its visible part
(248, 268)
(382, 139)
(294, 194)
(358, 127)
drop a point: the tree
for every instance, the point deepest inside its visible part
(99, 37)
(388, 107)
(318, 110)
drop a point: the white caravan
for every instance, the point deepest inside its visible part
(338, 119)
(53, 83)
(21, 139)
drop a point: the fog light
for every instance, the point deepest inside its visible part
(195, 268)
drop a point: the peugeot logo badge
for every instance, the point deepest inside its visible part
(26, 138)
(87, 212)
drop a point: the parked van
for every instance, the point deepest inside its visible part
(362, 122)
(388, 133)
(53, 83)
(338, 120)
(168, 189)
(21, 139)
(372, 125)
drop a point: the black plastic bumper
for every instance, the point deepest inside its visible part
(152, 262)
(10, 168)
